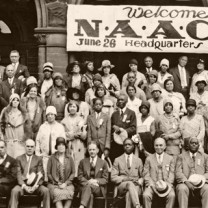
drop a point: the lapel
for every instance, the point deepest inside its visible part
(7, 83)
(5, 161)
(188, 159)
(155, 162)
(18, 69)
(87, 166)
(94, 120)
(177, 73)
(97, 166)
(123, 159)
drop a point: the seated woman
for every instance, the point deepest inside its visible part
(76, 95)
(75, 133)
(176, 97)
(167, 127)
(56, 95)
(109, 102)
(15, 126)
(35, 107)
(147, 87)
(61, 172)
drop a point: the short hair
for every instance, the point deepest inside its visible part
(29, 139)
(95, 99)
(100, 86)
(131, 72)
(123, 94)
(14, 51)
(160, 138)
(71, 103)
(127, 88)
(148, 57)
(93, 142)
(166, 81)
(29, 87)
(128, 139)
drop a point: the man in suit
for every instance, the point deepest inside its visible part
(127, 174)
(21, 71)
(189, 163)
(159, 169)
(123, 118)
(92, 176)
(27, 165)
(140, 78)
(10, 85)
(8, 171)
(148, 62)
(99, 127)
(181, 77)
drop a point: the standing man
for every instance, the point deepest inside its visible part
(8, 171)
(127, 175)
(191, 169)
(181, 77)
(159, 175)
(29, 166)
(122, 120)
(148, 61)
(21, 71)
(10, 85)
(92, 176)
(140, 78)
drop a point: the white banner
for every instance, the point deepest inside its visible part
(137, 28)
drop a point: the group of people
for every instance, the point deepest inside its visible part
(155, 118)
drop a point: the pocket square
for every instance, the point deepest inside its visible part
(127, 121)
(101, 169)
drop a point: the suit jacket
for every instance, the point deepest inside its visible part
(99, 130)
(128, 122)
(150, 171)
(185, 164)
(176, 79)
(6, 88)
(101, 173)
(120, 170)
(36, 166)
(8, 171)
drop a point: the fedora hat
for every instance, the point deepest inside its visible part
(197, 180)
(33, 178)
(119, 138)
(161, 188)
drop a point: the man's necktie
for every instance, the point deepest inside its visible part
(183, 77)
(122, 114)
(92, 162)
(128, 162)
(160, 173)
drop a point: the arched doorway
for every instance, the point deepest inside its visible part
(21, 19)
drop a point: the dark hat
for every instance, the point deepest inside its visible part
(71, 65)
(144, 103)
(97, 77)
(70, 91)
(133, 61)
(191, 102)
(60, 140)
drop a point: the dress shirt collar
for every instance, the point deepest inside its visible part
(28, 157)
(124, 109)
(130, 158)
(94, 160)
(161, 157)
(10, 80)
(148, 69)
(191, 154)
(97, 115)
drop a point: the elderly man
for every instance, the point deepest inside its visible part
(8, 171)
(122, 121)
(92, 176)
(181, 77)
(156, 102)
(140, 78)
(192, 169)
(159, 175)
(127, 174)
(10, 85)
(30, 176)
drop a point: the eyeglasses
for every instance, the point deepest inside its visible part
(29, 146)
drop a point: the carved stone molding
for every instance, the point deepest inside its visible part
(41, 38)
